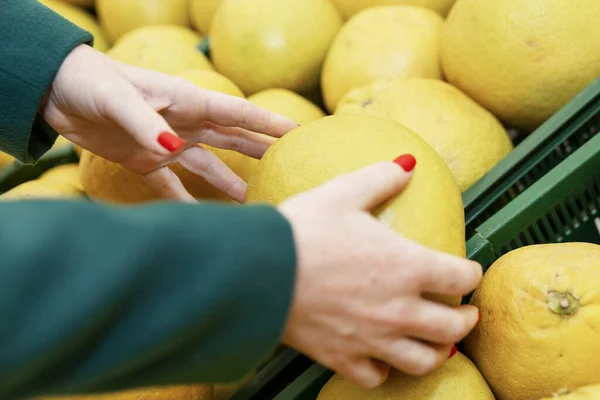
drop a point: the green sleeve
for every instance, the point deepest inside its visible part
(34, 41)
(96, 298)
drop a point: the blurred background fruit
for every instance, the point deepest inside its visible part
(457, 378)
(265, 44)
(522, 60)
(170, 49)
(202, 12)
(118, 17)
(66, 173)
(80, 3)
(321, 150)
(288, 104)
(188, 392)
(350, 7)
(382, 43)
(81, 18)
(5, 159)
(211, 80)
(42, 189)
(469, 138)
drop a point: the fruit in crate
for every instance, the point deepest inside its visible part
(202, 13)
(81, 18)
(170, 49)
(118, 17)
(211, 80)
(539, 329)
(469, 138)
(189, 392)
(591, 392)
(456, 379)
(289, 104)
(350, 7)
(522, 60)
(321, 150)
(382, 43)
(110, 182)
(263, 44)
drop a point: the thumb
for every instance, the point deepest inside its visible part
(368, 187)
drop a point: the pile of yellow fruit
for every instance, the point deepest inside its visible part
(369, 80)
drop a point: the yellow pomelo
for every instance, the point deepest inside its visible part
(81, 18)
(263, 44)
(469, 138)
(382, 43)
(5, 159)
(350, 7)
(80, 3)
(540, 321)
(170, 49)
(591, 392)
(202, 12)
(211, 80)
(110, 182)
(429, 210)
(121, 16)
(38, 189)
(67, 173)
(289, 104)
(522, 60)
(456, 379)
(189, 392)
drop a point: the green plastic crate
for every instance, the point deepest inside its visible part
(562, 206)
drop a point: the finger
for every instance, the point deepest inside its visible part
(366, 373)
(438, 323)
(240, 140)
(365, 188)
(206, 164)
(168, 185)
(441, 273)
(413, 357)
(142, 122)
(226, 110)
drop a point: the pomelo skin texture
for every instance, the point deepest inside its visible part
(522, 60)
(429, 210)
(591, 392)
(540, 321)
(456, 379)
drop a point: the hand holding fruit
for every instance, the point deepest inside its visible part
(359, 285)
(130, 116)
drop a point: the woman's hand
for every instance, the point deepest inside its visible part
(145, 120)
(358, 304)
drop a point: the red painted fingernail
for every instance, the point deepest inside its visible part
(170, 141)
(406, 161)
(452, 351)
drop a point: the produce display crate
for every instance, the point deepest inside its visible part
(562, 206)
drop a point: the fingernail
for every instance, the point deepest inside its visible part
(406, 161)
(453, 351)
(170, 141)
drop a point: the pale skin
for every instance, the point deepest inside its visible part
(358, 304)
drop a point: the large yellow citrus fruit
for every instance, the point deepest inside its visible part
(189, 392)
(540, 321)
(289, 104)
(5, 159)
(121, 16)
(202, 12)
(66, 173)
(38, 189)
(170, 49)
(522, 60)
(469, 138)
(211, 80)
(264, 44)
(350, 7)
(456, 379)
(110, 182)
(429, 210)
(80, 3)
(382, 43)
(591, 392)
(81, 18)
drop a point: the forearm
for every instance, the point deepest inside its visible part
(95, 298)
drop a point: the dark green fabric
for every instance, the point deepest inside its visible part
(34, 41)
(98, 298)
